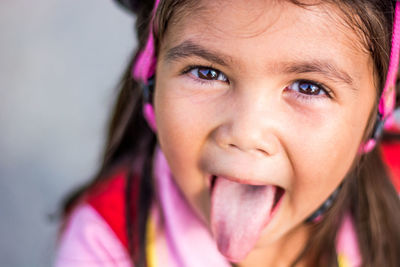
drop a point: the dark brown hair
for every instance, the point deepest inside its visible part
(366, 193)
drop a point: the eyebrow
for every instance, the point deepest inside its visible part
(325, 68)
(189, 49)
(329, 70)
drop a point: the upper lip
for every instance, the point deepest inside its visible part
(243, 180)
(248, 181)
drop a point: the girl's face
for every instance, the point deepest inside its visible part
(265, 93)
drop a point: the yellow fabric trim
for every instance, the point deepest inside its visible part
(151, 242)
(343, 261)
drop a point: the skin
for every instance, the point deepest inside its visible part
(251, 123)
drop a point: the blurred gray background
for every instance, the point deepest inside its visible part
(59, 64)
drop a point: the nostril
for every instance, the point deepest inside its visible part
(256, 150)
(232, 146)
(236, 147)
(262, 151)
(263, 143)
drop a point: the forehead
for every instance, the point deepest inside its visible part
(246, 18)
(270, 30)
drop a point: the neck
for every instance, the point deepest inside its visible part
(281, 253)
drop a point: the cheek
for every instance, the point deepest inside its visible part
(323, 154)
(184, 116)
(177, 134)
(181, 132)
(179, 124)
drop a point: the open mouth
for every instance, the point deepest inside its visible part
(277, 198)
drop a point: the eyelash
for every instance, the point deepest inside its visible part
(326, 92)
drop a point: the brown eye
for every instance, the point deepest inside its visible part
(208, 74)
(307, 88)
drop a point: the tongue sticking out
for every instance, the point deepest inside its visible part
(239, 212)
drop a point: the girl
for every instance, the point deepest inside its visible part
(247, 137)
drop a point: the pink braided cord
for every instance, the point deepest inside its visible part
(388, 97)
(387, 101)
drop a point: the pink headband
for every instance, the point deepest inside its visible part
(145, 66)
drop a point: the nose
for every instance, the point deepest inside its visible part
(250, 125)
